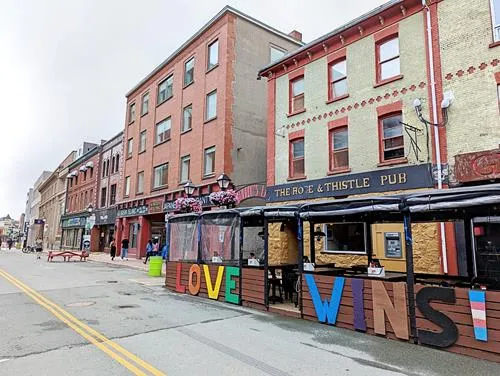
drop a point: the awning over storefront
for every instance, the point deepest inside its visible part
(74, 221)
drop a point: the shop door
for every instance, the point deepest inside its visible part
(389, 247)
(158, 232)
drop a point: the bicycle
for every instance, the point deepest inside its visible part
(28, 249)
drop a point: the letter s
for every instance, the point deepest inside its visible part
(449, 335)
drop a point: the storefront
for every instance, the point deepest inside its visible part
(73, 230)
(105, 224)
(140, 221)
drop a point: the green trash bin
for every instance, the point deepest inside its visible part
(155, 266)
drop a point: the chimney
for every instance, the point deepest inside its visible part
(296, 35)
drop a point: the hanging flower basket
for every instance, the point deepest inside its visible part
(187, 205)
(225, 198)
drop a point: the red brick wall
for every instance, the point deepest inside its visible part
(74, 203)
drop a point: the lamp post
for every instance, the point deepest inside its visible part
(224, 181)
(189, 188)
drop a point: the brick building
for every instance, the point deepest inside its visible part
(468, 64)
(197, 115)
(81, 200)
(52, 201)
(342, 122)
(109, 195)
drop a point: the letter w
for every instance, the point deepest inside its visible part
(326, 310)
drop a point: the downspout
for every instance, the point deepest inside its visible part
(435, 120)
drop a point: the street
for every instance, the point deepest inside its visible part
(88, 318)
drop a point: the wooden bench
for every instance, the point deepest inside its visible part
(67, 255)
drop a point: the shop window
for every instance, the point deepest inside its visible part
(388, 59)
(163, 131)
(213, 54)
(189, 71)
(495, 19)
(392, 140)
(165, 89)
(297, 95)
(297, 160)
(339, 153)
(133, 235)
(345, 238)
(338, 80)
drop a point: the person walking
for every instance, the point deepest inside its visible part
(149, 251)
(124, 254)
(112, 250)
(38, 248)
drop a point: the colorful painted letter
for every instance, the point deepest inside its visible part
(357, 286)
(477, 301)
(231, 284)
(213, 292)
(194, 270)
(178, 286)
(397, 313)
(326, 310)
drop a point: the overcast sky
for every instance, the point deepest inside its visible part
(65, 66)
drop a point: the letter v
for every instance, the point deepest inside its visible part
(213, 292)
(326, 310)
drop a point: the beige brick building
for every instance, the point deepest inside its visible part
(342, 122)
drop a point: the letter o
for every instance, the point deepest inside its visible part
(194, 289)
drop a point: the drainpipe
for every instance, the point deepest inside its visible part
(435, 120)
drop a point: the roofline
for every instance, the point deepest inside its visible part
(118, 135)
(327, 36)
(84, 157)
(224, 11)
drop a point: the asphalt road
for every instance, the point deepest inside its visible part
(53, 314)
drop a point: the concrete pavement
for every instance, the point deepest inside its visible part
(181, 334)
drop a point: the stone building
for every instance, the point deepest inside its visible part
(36, 226)
(52, 200)
(468, 66)
(342, 123)
(109, 195)
(199, 114)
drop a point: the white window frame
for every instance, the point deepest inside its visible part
(205, 155)
(140, 183)
(185, 158)
(365, 240)
(207, 117)
(154, 176)
(127, 186)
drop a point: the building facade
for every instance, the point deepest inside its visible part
(342, 122)
(109, 195)
(199, 114)
(52, 201)
(82, 183)
(37, 223)
(469, 67)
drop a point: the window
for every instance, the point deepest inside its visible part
(91, 172)
(209, 161)
(85, 175)
(339, 156)
(86, 199)
(388, 59)
(163, 131)
(134, 229)
(185, 161)
(112, 194)
(297, 95)
(160, 176)
(189, 71)
(103, 197)
(338, 79)
(104, 168)
(345, 238)
(213, 54)
(130, 145)
(495, 19)
(140, 182)
(107, 167)
(187, 118)
(165, 89)
(297, 158)
(392, 138)
(145, 104)
(117, 162)
(142, 142)
(112, 164)
(276, 53)
(131, 113)
(127, 186)
(211, 109)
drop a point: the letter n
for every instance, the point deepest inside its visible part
(325, 310)
(397, 313)
(178, 286)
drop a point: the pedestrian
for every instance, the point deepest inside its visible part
(149, 250)
(38, 248)
(164, 252)
(112, 249)
(125, 249)
(9, 243)
(156, 247)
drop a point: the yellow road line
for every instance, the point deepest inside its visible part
(84, 330)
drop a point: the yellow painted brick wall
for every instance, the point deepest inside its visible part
(363, 123)
(465, 32)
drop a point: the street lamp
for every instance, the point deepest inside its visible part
(189, 188)
(223, 180)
